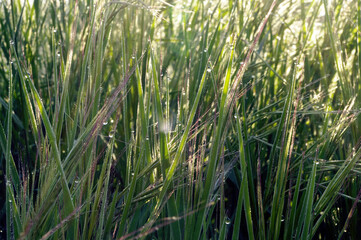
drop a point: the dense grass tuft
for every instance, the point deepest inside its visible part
(180, 119)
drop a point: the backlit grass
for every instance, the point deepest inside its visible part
(180, 119)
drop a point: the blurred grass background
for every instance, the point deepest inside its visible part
(180, 119)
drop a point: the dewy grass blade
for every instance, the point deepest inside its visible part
(172, 168)
(308, 207)
(281, 176)
(243, 196)
(8, 176)
(144, 151)
(84, 67)
(336, 182)
(14, 172)
(68, 203)
(164, 154)
(214, 150)
(290, 224)
(29, 107)
(65, 77)
(338, 61)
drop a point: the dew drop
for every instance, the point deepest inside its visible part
(235, 116)
(209, 70)
(58, 54)
(228, 221)
(105, 123)
(11, 42)
(205, 50)
(111, 134)
(54, 31)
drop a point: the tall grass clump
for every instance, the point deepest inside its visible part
(180, 119)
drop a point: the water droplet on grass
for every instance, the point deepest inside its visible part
(105, 123)
(209, 70)
(111, 134)
(11, 42)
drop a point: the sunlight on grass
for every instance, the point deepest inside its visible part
(170, 119)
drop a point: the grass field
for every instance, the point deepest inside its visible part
(174, 119)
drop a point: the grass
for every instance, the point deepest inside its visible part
(180, 119)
